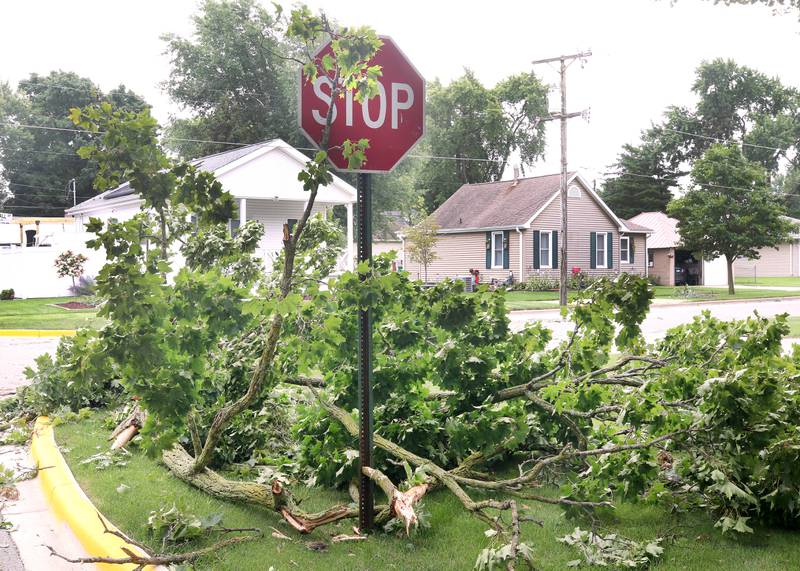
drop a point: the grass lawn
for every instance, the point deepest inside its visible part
(794, 326)
(548, 299)
(40, 313)
(782, 282)
(452, 542)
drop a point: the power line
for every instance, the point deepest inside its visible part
(208, 141)
(707, 184)
(724, 140)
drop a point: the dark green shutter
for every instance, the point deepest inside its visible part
(610, 252)
(554, 248)
(630, 249)
(536, 262)
(593, 250)
(505, 249)
(489, 247)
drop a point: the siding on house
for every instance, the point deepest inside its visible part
(456, 254)
(663, 270)
(273, 215)
(585, 216)
(775, 263)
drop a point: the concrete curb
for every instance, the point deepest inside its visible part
(37, 332)
(68, 502)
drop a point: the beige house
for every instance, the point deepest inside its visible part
(511, 229)
(670, 264)
(780, 262)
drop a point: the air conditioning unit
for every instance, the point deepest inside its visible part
(469, 283)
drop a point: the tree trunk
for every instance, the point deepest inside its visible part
(729, 263)
(275, 497)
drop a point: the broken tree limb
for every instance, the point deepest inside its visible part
(401, 504)
(275, 497)
(128, 428)
(162, 559)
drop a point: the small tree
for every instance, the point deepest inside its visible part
(70, 264)
(421, 241)
(730, 212)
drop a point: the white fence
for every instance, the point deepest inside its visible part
(31, 272)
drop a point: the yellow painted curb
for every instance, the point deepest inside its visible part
(68, 502)
(37, 332)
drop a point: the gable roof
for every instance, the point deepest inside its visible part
(636, 228)
(510, 204)
(501, 204)
(217, 163)
(665, 229)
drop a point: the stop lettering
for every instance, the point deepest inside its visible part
(393, 120)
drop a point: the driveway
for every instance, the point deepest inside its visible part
(664, 317)
(16, 353)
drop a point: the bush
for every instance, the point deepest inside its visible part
(84, 287)
(81, 375)
(537, 283)
(7, 294)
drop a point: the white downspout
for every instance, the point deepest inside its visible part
(521, 256)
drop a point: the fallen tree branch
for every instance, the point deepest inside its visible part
(142, 561)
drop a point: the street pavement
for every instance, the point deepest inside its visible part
(664, 317)
(16, 353)
(34, 526)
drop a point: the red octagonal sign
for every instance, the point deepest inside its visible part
(393, 120)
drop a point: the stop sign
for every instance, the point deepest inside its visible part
(393, 120)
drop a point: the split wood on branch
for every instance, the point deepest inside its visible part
(128, 428)
(275, 497)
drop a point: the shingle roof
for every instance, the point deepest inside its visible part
(499, 204)
(208, 163)
(665, 229)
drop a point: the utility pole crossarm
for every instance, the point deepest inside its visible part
(580, 55)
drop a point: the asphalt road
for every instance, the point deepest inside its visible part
(664, 317)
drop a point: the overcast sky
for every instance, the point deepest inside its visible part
(644, 51)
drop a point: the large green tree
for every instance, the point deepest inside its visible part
(730, 212)
(734, 104)
(235, 76)
(472, 131)
(642, 181)
(39, 163)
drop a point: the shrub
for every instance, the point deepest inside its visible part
(85, 287)
(7, 294)
(81, 375)
(537, 283)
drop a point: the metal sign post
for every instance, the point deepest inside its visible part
(366, 496)
(393, 122)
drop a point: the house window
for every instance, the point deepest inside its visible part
(600, 250)
(545, 250)
(625, 249)
(650, 259)
(497, 249)
(574, 191)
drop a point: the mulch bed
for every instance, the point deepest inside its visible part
(75, 305)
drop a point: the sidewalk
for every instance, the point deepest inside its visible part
(34, 526)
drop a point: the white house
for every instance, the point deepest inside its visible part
(263, 180)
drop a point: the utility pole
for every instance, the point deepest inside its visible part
(563, 116)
